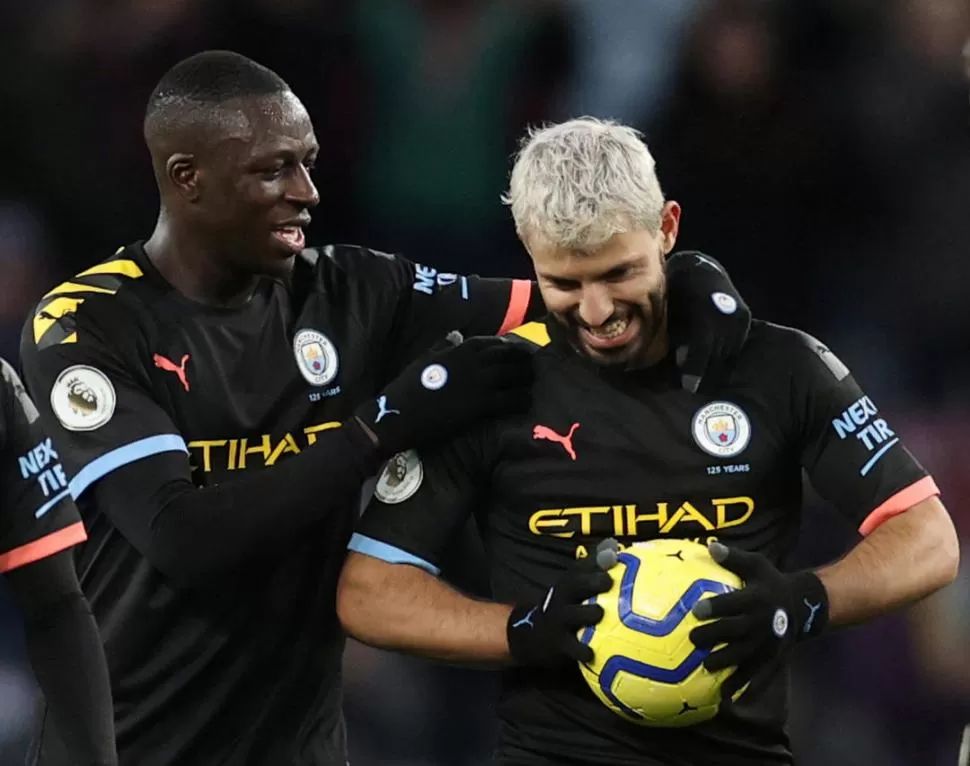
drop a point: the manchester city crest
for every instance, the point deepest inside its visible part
(721, 429)
(316, 356)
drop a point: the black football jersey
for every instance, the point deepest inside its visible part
(37, 516)
(631, 455)
(247, 669)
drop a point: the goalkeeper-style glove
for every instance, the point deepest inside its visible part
(453, 386)
(761, 622)
(545, 634)
(709, 320)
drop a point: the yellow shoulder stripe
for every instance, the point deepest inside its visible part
(61, 302)
(534, 332)
(77, 287)
(125, 267)
(53, 311)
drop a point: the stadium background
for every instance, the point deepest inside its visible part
(821, 150)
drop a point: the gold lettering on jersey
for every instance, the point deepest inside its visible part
(630, 521)
(723, 504)
(206, 445)
(287, 444)
(245, 450)
(238, 454)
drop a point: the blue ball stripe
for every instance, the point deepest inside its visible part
(656, 628)
(666, 624)
(589, 630)
(616, 665)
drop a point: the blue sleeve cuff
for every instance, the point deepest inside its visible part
(378, 550)
(122, 456)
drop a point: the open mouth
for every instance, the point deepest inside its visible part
(290, 237)
(614, 334)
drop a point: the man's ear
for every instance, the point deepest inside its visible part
(184, 175)
(669, 226)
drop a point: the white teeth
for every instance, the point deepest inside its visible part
(611, 329)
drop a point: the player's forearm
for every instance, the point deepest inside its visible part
(67, 658)
(903, 560)
(193, 534)
(401, 607)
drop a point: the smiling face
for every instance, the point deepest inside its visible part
(589, 209)
(611, 300)
(254, 186)
(235, 175)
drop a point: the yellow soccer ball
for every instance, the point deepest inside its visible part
(645, 667)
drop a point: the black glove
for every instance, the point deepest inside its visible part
(761, 622)
(454, 385)
(709, 320)
(544, 634)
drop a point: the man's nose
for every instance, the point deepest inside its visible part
(596, 305)
(302, 190)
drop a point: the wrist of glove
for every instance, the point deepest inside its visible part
(709, 320)
(453, 386)
(545, 634)
(756, 627)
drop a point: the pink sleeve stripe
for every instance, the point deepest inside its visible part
(46, 546)
(902, 501)
(518, 305)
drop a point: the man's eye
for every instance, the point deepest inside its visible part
(564, 285)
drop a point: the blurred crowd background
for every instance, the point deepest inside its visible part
(820, 148)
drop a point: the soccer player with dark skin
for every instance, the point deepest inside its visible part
(613, 450)
(219, 395)
(39, 526)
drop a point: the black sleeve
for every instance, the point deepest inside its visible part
(37, 517)
(67, 658)
(114, 438)
(853, 457)
(94, 400)
(425, 304)
(422, 502)
(192, 534)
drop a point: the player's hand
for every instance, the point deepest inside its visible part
(761, 622)
(544, 634)
(709, 320)
(453, 386)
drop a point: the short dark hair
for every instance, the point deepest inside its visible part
(203, 81)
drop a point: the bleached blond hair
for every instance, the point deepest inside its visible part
(576, 184)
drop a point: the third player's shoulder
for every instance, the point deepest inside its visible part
(790, 352)
(97, 304)
(13, 399)
(11, 386)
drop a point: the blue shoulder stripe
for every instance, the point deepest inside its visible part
(122, 456)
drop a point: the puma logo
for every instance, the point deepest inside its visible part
(544, 432)
(811, 617)
(383, 409)
(163, 363)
